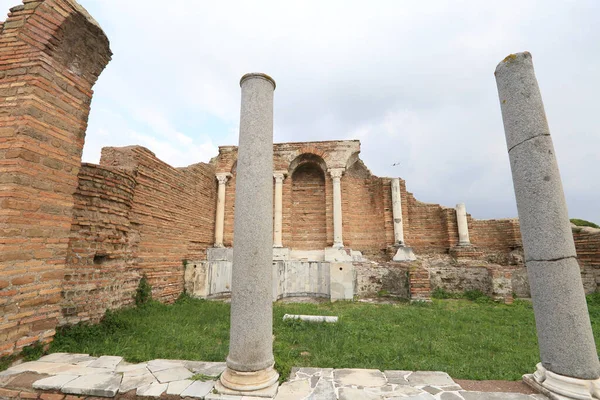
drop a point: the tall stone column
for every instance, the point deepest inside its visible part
(569, 364)
(336, 175)
(220, 218)
(403, 253)
(397, 212)
(250, 363)
(463, 226)
(278, 218)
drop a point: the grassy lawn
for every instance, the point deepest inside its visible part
(469, 340)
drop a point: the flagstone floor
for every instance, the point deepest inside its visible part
(63, 376)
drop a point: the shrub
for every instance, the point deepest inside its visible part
(143, 293)
(583, 222)
(33, 352)
(474, 295)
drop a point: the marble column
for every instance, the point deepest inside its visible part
(569, 361)
(403, 253)
(220, 218)
(463, 226)
(397, 213)
(250, 363)
(336, 175)
(278, 218)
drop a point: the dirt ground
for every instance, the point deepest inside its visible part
(496, 386)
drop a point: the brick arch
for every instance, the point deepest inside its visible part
(314, 156)
(61, 53)
(309, 218)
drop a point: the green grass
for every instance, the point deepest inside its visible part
(469, 340)
(583, 222)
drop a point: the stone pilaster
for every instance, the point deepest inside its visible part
(463, 226)
(250, 363)
(278, 217)
(336, 175)
(403, 253)
(220, 215)
(569, 367)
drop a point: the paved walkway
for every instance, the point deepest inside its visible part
(63, 376)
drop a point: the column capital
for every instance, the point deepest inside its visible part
(280, 175)
(336, 172)
(223, 177)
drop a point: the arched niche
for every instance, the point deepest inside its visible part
(308, 212)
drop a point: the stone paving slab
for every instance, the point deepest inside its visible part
(76, 374)
(101, 385)
(55, 382)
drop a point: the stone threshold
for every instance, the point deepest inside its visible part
(64, 376)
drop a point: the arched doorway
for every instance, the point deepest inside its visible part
(309, 224)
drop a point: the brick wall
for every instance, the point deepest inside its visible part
(427, 226)
(495, 235)
(363, 215)
(51, 54)
(173, 211)
(101, 273)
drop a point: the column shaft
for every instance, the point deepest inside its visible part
(397, 212)
(278, 218)
(564, 331)
(250, 360)
(463, 226)
(336, 175)
(220, 215)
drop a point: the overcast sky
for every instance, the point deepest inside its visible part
(413, 81)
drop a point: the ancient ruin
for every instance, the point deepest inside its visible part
(77, 238)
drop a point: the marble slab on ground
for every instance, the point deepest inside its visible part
(81, 374)
(101, 385)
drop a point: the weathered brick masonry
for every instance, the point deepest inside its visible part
(101, 270)
(51, 54)
(172, 215)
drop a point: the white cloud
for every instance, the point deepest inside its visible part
(413, 80)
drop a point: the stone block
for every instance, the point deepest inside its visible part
(404, 254)
(220, 277)
(359, 377)
(544, 221)
(294, 390)
(311, 318)
(109, 362)
(152, 390)
(160, 365)
(198, 389)
(436, 378)
(196, 279)
(176, 387)
(54, 382)
(101, 385)
(334, 254)
(219, 254)
(68, 358)
(342, 278)
(281, 253)
(173, 374)
(130, 382)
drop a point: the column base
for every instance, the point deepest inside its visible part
(404, 254)
(559, 387)
(263, 383)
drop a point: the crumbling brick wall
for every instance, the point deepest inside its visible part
(173, 211)
(101, 272)
(51, 54)
(587, 243)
